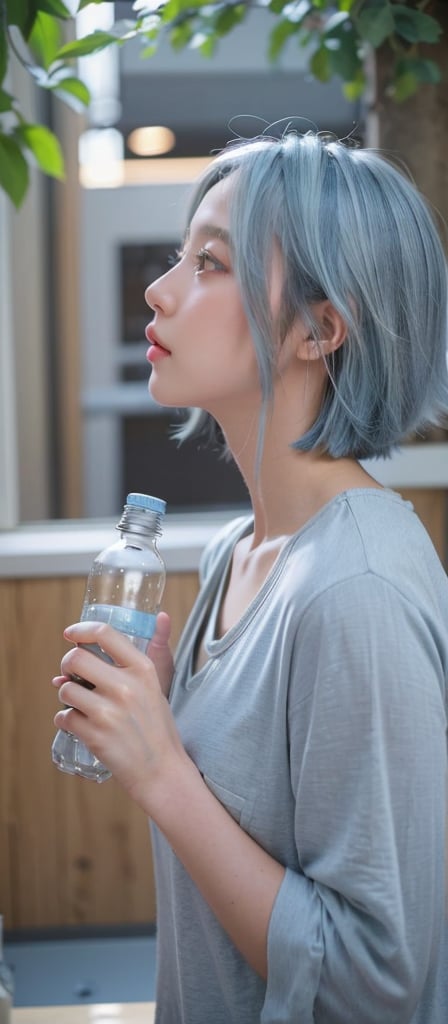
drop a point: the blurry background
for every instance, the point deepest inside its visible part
(81, 431)
(78, 256)
(75, 860)
(83, 253)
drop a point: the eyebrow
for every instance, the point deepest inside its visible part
(212, 231)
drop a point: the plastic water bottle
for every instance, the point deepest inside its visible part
(124, 588)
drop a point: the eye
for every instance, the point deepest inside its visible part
(204, 260)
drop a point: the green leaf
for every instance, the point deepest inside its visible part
(344, 60)
(415, 26)
(45, 39)
(228, 17)
(375, 24)
(278, 37)
(85, 3)
(148, 51)
(404, 86)
(276, 6)
(425, 70)
(55, 7)
(304, 37)
(181, 35)
(171, 10)
(14, 173)
(334, 24)
(320, 64)
(205, 43)
(208, 47)
(354, 89)
(74, 92)
(20, 13)
(44, 147)
(3, 54)
(6, 101)
(92, 43)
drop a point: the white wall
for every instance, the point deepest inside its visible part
(23, 355)
(9, 496)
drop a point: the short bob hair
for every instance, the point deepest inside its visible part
(353, 229)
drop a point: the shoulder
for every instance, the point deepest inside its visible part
(378, 617)
(396, 546)
(372, 533)
(366, 585)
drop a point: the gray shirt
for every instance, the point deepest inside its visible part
(319, 721)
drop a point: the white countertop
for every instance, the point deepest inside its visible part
(67, 548)
(104, 1013)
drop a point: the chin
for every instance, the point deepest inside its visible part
(161, 395)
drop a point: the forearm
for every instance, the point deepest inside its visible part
(236, 877)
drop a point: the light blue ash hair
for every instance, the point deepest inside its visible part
(353, 229)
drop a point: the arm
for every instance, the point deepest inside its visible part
(127, 722)
(355, 930)
(355, 936)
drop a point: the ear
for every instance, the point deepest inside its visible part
(332, 333)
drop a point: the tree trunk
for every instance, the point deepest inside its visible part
(415, 134)
(416, 131)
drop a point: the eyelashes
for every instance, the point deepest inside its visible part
(203, 257)
(203, 260)
(174, 258)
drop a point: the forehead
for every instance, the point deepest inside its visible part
(213, 213)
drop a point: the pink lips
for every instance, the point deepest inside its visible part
(156, 350)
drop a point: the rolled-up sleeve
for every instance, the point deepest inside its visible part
(356, 925)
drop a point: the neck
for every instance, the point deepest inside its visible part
(290, 486)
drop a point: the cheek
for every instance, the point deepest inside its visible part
(235, 320)
(222, 324)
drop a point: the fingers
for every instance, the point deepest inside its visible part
(125, 719)
(162, 632)
(160, 653)
(58, 680)
(99, 634)
(72, 695)
(99, 647)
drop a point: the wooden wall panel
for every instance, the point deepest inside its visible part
(71, 852)
(431, 506)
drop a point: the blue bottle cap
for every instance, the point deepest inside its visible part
(148, 502)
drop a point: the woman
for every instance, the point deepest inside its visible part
(295, 777)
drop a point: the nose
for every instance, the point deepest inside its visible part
(159, 296)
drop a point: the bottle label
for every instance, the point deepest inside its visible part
(126, 620)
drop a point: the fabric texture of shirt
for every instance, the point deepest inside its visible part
(319, 721)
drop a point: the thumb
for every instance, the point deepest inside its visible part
(159, 651)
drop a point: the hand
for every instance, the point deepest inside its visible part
(160, 652)
(125, 720)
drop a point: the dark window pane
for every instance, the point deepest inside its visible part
(140, 265)
(186, 476)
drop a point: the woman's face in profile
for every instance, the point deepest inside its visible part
(201, 349)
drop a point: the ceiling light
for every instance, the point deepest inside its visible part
(151, 140)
